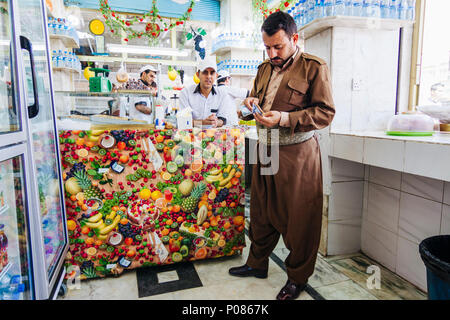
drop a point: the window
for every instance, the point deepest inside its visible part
(434, 76)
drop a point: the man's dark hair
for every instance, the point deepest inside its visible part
(279, 21)
(146, 72)
(222, 80)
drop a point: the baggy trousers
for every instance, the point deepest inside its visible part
(288, 202)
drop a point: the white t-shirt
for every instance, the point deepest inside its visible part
(218, 102)
(235, 92)
(136, 114)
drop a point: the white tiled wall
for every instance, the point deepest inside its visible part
(433, 160)
(348, 148)
(343, 170)
(344, 236)
(445, 221)
(398, 211)
(383, 207)
(424, 187)
(346, 200)
(379, 244)
(409, 264)
(447, 193)
(382, 153)
(419, 218)
(385, 177)
(345, 207)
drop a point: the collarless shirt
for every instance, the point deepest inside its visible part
(275, 82)
(218, 102)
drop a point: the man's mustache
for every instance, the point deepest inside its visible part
(276, 58)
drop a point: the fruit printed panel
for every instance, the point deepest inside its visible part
(138, 198)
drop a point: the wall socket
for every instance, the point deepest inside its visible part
(356, 84)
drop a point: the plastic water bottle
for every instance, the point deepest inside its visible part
(348, 7)
(393, 13)
(410, 13)
(357, 8)
(302, 15)
(384, 9)
(319, 9)
(402, 9)
(376, 8)
(328, 8)
(339, 7)
(310, 12)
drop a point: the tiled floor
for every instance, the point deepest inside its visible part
(342, 277)
(335, 278)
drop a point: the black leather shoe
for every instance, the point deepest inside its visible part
(290, 291)
(246, 271)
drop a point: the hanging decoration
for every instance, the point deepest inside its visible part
(200, 44)
(155, 24)
(261, 7)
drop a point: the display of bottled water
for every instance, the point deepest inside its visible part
(233, 39)
(239, 67)
(65, 59)
(60, 26)
(305, 11)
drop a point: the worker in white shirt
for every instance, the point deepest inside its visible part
(141, 107)
(210, 107)
(224, 83)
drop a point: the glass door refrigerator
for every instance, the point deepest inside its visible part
(33, 234)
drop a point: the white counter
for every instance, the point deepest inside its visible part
(423, 156)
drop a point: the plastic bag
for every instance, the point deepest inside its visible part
(122, 75)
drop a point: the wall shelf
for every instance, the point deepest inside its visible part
(137, 60)
(318, 25)
(70, 70)
(224, 50)
(69, 42)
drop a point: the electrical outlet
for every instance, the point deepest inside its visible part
(356, 84)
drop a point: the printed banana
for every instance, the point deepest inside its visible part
(95, 218)
(212, 179)
(109, 228)
(111, 215)
(102, 236)
(214, 172)
(227, 169)
(94, 225)
(227, 179)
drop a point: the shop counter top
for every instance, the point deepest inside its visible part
(423, 156)
(146, 197)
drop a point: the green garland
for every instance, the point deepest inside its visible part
(155, 23)
(263, 9)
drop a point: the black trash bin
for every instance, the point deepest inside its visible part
(435, 253)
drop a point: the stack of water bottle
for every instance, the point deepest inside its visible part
(239, 67)
(60, 26)
(233, 39)
(305, 11)
(68, 60)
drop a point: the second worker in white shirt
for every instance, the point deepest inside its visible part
(210, 107)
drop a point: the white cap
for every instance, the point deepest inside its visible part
(147, 67)
(208, 62)
(222, 74)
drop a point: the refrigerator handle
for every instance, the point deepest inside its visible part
(33, 110)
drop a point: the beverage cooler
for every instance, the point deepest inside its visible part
(33, 235)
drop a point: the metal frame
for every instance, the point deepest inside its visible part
(56, 273)
(21, 150)
(18, 136)
(416, 55)
(43, 284)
